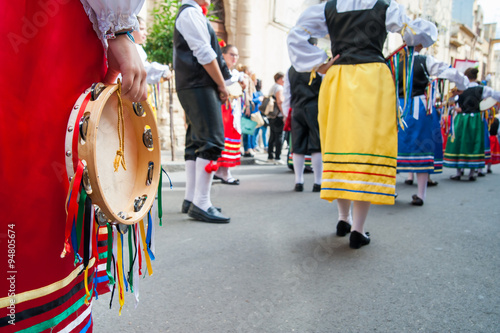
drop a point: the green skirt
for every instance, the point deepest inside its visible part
(466, 148)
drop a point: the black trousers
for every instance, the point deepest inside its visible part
(275, 138)
(305, 130)
(205, 130)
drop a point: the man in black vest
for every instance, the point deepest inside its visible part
(200, 74)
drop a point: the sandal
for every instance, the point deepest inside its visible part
(231, 181)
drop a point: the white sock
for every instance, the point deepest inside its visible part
(203, 184)
(299, 161)
(359, 214)
(410, 176)
(190, 180)
(317, 164)
(344, 207)
(222, 172)
(422, 179)
(459, 172)
(472, 172)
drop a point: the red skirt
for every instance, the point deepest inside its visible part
(52, 54)
(495, 150)
(231, 154)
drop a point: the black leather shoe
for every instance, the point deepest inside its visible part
(343, 228)
(409, 182)
(472, 178)
(299, 187)
(358, 240)
(317, 188)
(186, 204)
(431, 183)
(416, 201)
(455, 177)
(489, 171)
(212, 215)
(480, 174)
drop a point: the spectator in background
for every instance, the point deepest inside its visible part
(276, 124)
(258, 96)
(155, 70)
(231, 117)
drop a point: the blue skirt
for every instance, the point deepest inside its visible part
(420, 144)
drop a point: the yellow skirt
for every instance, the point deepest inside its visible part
(358, 131)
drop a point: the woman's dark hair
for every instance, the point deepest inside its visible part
(471, 73)
(258, 85)
(278, 76)
(226, 48)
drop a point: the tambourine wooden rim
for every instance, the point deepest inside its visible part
(487, 103)
(127, 195)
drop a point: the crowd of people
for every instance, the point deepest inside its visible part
(341, 112)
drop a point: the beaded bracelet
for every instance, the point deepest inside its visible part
(113, 35)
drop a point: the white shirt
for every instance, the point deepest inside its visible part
(487, 91)
(443, 71)
(312, 23)
(192, 25)
(154, 70)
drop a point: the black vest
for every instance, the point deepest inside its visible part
(303, 94)
(420, 77)
(469, 100)
(189, 72)
(494, 126)
(358, 36)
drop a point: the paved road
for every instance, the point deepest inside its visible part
(278, 267)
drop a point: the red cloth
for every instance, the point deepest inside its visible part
(50, 56)
(495, 150)
(231, 155)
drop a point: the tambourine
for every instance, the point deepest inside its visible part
(487, 103)
(97, 130)
(235, 90)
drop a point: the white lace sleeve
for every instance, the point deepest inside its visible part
(111, 16)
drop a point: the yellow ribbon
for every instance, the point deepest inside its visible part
(120, 153)
(119, 272)
(404, 29)
(87, 292)
(313, 76)
(145, 249)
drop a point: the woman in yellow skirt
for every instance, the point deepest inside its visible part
(357, 101)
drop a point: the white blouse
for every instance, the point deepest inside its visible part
(312, 23)
(487, 91)
(443, 71)
(112, 15)
(154, 70)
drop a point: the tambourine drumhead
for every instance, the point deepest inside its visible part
(235, 90)
(124, 196)
(487, 103)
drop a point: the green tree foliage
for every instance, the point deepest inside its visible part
(160, 43)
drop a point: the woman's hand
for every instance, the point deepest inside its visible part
(324, 68)
(123, 58)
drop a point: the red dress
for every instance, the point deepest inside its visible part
(50, 56)
(231, 155)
